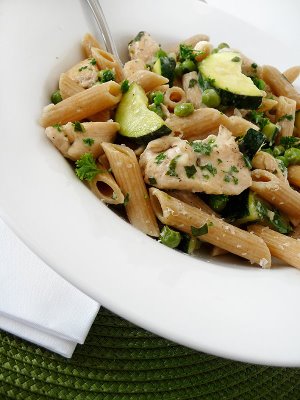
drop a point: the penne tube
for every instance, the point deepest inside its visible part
(267, 104)
(106, 188)
(205, 49)
(191, 199)
(192, 89)
(283, 247)
(285, 107)
(279, 84)
(292, 73)
(174, 96)
(276, 192)
(217, 251)
(68, 87)
(264, 160)
(82, 105)
(191, 41)
(106, 60)
(197, 125)
(238, 126)
(294, 175)
(296, 233)
(184, 217)
(128, 175)
(148, 80)
(88, 42)
(132, 66)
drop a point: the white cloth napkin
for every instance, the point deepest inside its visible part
(37, 304)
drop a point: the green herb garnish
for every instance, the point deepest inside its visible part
(86, 167)
(82, 68)
(289, 141)
(289, 117)
(126, 199)
(88, 141)
(203, 230)
(106, 75)
(172, 167)
(212, 170)
(58, 127)
(192, 83)
(236, 59)
(152, 180)
(190, 170)
(93, 61)
(203, 147)
(78, 127)
(159, 159)
(125, 86)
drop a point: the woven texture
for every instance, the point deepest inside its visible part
(120, 361)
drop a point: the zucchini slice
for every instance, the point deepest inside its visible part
(136, 121)
(165, 66)
(223, 71)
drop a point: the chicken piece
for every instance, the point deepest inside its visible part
(133, 66)
(264, 160)
(84, 73)
(143, 47)
(73, 142)
(213, 165)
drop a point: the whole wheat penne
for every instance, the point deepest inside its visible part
(88, 42)
(217, 251)
(294, 175)
(128, 175)
(106, 188)
(148, 80)
(68, 87)
(204, 48)
(285, 114)
(174, 96)
(279, 84)
(83, 104)
(192, 89)
(296, 233)
(197, 125)
(191, 41)
(267, 104)
(264, 160)
(292, 73)
(106, 60)
(191, 199)
(73, 140)
(281, 246)
(276, 192)
(238, 126)
(183, 217)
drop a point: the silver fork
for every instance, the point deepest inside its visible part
(103, 28)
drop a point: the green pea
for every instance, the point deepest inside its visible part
(56, 97)
(292, 155)
(188, 66)
(223, 45)
(157, 109)
(278, 150)
(284, 160)
(178, 72)
(216, 50)
(169, 237)
(211, 98)
(268, 150)
(184, 109)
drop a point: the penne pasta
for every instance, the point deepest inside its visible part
(132, 66)
(106, 60)
(128, 175)
(285, 114)
(192, 89)
(82, 105)
(197, 125)
(276, 192)
(68, 87)
(88, 42)
(267, 104)
(106, 188)
(294, 175)
(283, 247)
(191, 41)
(265, 161)
(292, 73)
(279, 84)
(183, 217)
(238, 126)
(205, 48)
(148, 80)
(191, 199)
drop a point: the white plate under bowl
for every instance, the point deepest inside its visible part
(220, 306)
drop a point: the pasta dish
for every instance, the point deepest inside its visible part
(198, 143)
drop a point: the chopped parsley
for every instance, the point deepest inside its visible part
(192, 83)
(289, 117)
(82, 68)
(190, 170)
(258, 118)
(203, 147)
(125, 86)
(159, 159)
(58, 127)
(137, 38)
(78, 127)
(203, 230)
(289, 141)
(172, 167)
(229, 175)
(126, 199)
(106, 75)
(254, 66)
(88, 141)
(152, 180)
(187, 52)
(236, 59)
(86, 167)
(219, 161)
(93, 61)
(212, 170)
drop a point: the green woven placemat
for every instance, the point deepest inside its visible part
(120, 361)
